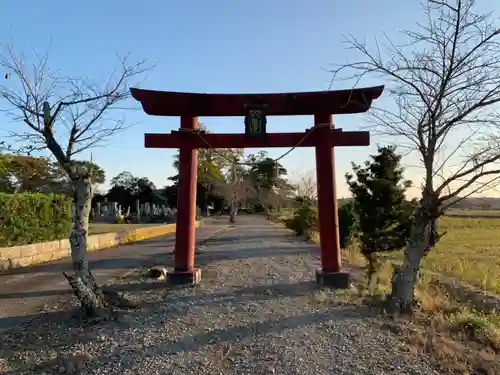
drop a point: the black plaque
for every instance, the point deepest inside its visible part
(255, 120)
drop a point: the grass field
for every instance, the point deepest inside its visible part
(470, 251)
(461, 339)
(474, 213)
(100, 228)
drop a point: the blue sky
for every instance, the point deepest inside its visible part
(207, 46)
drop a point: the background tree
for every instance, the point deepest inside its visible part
(384, 215)
(62, 182)
(266, 172)
(213, 169)
(126, 190)
(66, 116)
(266, 176)
(170, 193)
(38, 174)
(27, 174)
(444, 84)
(304, 182)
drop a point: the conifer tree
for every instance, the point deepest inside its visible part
(384, 214)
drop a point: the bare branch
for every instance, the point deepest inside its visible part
(304, 182)
(444, 92)
(66, 115)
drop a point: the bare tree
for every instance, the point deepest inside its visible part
(67, 115)
(304, 181)
(445, 88)
(235, 189)
(239, 187)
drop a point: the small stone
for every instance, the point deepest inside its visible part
(158, 272)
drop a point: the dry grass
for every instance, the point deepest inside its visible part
(469, 252)
(473, 213)
(461, 339)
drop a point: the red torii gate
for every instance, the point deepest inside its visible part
(323, 136)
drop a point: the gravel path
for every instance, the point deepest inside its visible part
(257, 311)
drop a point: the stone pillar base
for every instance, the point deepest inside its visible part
(191, 277)
(336, 280)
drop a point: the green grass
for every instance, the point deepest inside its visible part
(99, 228)
(474, 213)
(470, 251)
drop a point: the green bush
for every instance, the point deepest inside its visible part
(32, 218)
(347, 224)
(304, 220)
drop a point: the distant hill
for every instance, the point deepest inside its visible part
(483, 204)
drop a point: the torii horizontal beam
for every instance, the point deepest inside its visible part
(178, 139)
(170, 103)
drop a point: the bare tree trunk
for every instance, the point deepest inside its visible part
(96, 302)
(232, 211)
(405, 277)
(82, 282)
(82, 199)
(205, 204)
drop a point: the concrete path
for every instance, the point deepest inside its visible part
(24, 292)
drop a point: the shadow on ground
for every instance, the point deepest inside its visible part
(103, 259)
(203, 259)
(48, 328)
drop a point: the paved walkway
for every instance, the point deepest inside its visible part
(24, 292)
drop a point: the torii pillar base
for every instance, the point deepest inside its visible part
(335, 280)
(190, 277)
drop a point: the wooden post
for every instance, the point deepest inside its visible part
(327, 207)
(184, 271)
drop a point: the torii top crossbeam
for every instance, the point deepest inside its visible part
(168, 103)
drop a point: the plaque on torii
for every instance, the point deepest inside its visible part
(255, 108)
(255, 120)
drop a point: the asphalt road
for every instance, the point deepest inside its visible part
(24, 292)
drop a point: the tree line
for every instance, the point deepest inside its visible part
(257, 180)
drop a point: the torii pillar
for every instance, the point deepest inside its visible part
(323, 136)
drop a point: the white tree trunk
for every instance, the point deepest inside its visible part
(232, 211)
(405, 277)
(82, 201)
(87, 291)
(96, 302)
